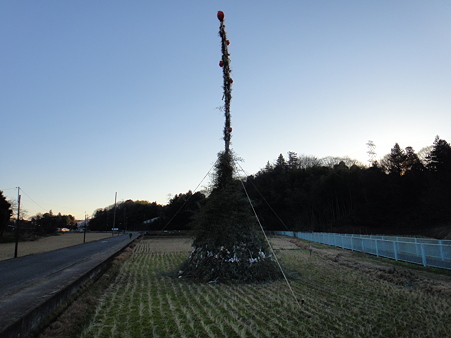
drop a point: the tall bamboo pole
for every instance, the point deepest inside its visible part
(17, 223)
(227, 81)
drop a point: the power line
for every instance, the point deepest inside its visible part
(8, 189)
(43, 208)
(40, 206)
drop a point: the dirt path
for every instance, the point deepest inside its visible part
(50, 243)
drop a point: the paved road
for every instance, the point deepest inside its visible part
(26, 282)
(18, 273)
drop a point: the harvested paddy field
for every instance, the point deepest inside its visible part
(334, 293)
(49, 243)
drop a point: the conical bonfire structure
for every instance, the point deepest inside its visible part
(229, 244)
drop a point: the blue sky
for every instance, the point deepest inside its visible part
(98, 97)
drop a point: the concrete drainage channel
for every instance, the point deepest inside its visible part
(24, 311)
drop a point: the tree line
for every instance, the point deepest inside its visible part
(128, 215)
(49, 223)
(402, 193)
(147, 216)
(40, 224)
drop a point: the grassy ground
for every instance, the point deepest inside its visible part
(44, 244)
(337, 293)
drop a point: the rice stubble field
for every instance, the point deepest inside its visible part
(338, 294)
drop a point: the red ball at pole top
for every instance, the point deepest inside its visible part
(221, 16)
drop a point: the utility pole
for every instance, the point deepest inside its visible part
(125, 219)
(84, 232)
(17, 222)
(114, 215)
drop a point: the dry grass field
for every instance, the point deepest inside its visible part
(50, 243)
(338, 294)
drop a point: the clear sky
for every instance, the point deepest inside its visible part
(98, 97)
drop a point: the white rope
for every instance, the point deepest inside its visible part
(274, 212)
(161, 231)
(272, 250)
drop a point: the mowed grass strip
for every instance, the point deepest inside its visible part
(337, 301)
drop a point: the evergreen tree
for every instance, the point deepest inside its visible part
(438, 197)
(281, 164)
(412, 163)
(5, 213)
(440, 157)
(394, 162)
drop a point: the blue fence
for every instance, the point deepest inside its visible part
(424, 251)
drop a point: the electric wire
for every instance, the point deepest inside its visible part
(8, 189)
(40, 206)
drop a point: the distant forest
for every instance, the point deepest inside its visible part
(403, 193)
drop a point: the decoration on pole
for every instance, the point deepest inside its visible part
(221, 16)
(227, 80)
